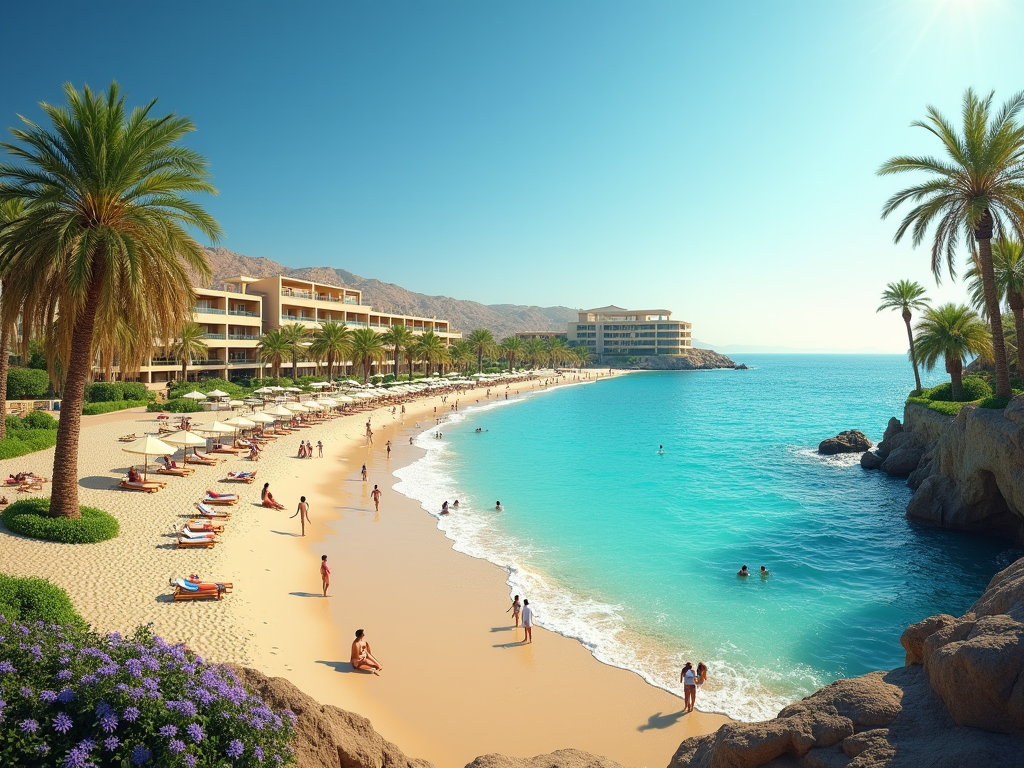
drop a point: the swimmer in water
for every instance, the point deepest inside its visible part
(444, 508)
(743, 571)
(661, 450)
(498, 507)
(764, 572)
(456, 504)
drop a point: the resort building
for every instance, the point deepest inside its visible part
(234, 320)
(614, 331)
(542, 335)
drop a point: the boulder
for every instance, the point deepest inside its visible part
(742, 367)
(563, 758)
(913, 637)
(850, 441)
(870, 460)
(903, 460)
(893, 428)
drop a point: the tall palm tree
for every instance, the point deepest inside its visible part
(399, 338)
(331, 341)
(975, 192)
(1008, 270)
(558, 352)
(297, 336)
(11, 212)
(954, 332)
(460, 354)
(274, 348)
(582, 354)
(510, 349)
(905, 296)
(431, 349)
(109, 200)
(536, 351)
(190, 345)
(481, 341)
(367, 348)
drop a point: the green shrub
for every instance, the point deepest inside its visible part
(30, 600)
(103, 392)
(27, 383)
(31, 517)
(94, 409)
(136, 390)
(975, 388)
(946, 407)
(995, 403)
(177, 405)
(39, 420)
(22, 438)
(183, 388)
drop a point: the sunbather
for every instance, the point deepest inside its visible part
(133, 475)
(213, 495)
(268, 498)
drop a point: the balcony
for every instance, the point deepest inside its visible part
(242, 313)
(243, 337)
(296, 294)
(298, 318)
(209, 310)
(214, 336)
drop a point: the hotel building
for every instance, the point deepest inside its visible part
(542, 335)
(614, 331)
(234, 319)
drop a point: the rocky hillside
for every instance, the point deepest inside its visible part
(500, 319)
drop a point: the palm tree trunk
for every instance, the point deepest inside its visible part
(398, 360)
(988, 279)
(408, 359)
(64, 490)
(184, 370)
(913, 352)
(955, 369)
(4, 357)
(1017, 308)
(480, 361)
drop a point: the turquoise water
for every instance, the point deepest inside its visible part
(635, 553)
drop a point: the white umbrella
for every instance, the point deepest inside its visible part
(264, 391)
(240, 423)
(319, 384)
(261, 418)
(295, 407)
(194, 395)
(352, 382)
(277, 388)
(184, 439)
(215, 427)
(236, 403)
(327, 401)
(366, 395)
(312, 404)
(278, 410)
(151, 446)
(217, 393)
(344, 399)
(292, 389)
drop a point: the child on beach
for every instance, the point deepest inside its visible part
(320, 448)
(325, 573)
(303, 513)
(515, 608)
(364, 473)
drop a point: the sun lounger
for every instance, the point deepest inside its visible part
(240, 477)
(202, 458)
(207, 511)
(165, 429)
(204, 543)
(225, 449)
(185, 533)
(175, 471)
(128, 438)
(203, 526)
(190, 590)
(221, 499)
(149, 487)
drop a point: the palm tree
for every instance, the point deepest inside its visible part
(274, 348)
(331, 341)
(975, 192)
(190, 345)
(297, 336)
(905, 296)
(109, 201)
(481, 341)
(536, 351)
(954, 332)
(558, 352)
(399, 338)
(460, 354)
(1008, 270)
(367, 348)
(510, 349)
(11, 211)
(431, 349)
(582, 354)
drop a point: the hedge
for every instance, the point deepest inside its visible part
(111, 392)
(177, 405)
(38, 420)
(27, 383)
(94, 409)
(36, 432)
(31, 517)
(207, 385)
(30, 600)
(974, 388)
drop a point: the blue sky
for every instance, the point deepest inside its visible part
(717, 159)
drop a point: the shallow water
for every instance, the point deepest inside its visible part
(635, 553)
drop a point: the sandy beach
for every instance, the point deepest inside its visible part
(457, 681)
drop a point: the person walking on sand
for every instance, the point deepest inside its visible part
(309, 450)
(689, 680)
(325, 573)
(516, 607)
(369, 433)
(527, 621)
(303, 513)
(320, 448)
(389, 449)
(362, 656)
(302, 450)
(375, 495)
(364, 473)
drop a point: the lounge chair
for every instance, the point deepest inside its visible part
(241, 477)
(146, 487)
(203, 526)
(128, 438)
(206, 511)
(202, 458)
(176, 471)
(204, 543)
(221, 499)
(185, 533)
(190, 590)
(225, 449)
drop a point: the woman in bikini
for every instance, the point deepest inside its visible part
(268, 498)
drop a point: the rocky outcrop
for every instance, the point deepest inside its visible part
(691, 359)
(563, 758)
(850, 441)
(959, 701)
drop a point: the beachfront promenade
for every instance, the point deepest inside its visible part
(456, 682)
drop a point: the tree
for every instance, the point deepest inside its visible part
(460, 354)
(1008, 270)
(481, 341)
(399, 338)
(190, 345)
(536, 351)
(431, 349)
(905, 296)
(331, 341)
(109, 200)
(582, 354)
(558, 352)
(274, 348)
(510, 349)
(367, 348)
(975, 192)
(297, 337)
(11, 212)
(954, 332)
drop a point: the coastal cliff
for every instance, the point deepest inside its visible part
(691, 359)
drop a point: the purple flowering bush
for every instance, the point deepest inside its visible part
(72, 698)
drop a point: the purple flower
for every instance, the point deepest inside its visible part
(258, 751)
(169, 730)
(134, 667)
(65, 695)
(141, 755)
(64, 674)
(235, 749)
(290, 715)
(195, 732)
(186, 708)
(7, 667)
(48, 696)
(28, 726)
(89, 679)
(111, 743)
(108, 723)
(191, 760)
(278, 759)
(62, 723)
(131, 714)
(87, 745)
(107, 670)
(176, 746)
(43, 749)
(26, 692)
(103, 709)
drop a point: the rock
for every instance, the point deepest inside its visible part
(742, 367)
(903, 460)
(850, 441)
(913, 637)
(563, 758)
(893, 428)
(870, 460)
(689, 359)
(861, 742)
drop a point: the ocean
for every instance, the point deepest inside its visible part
(635, 553)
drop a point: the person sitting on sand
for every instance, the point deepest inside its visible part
(133, 475)
(268, 498)
(254, 455)
(764, 572)
(362, 657)
(743, 571)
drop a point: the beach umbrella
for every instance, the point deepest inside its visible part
(352, 382)
(239, 422)
(261, 418)
(366, 395)
(264, 391)
(327, 401)
(344, 399)
(312, 404)
(217, 393)
(194, 395)
(215, 427)
(319, 384)
(184, 439)
(236, 403)
(279, 411)
(151, 446)
(292, 389)
(295, 407)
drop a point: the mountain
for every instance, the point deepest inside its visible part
(501, 319)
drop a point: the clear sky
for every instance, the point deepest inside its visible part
(716, 159)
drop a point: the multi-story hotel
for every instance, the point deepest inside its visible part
(234, 320)
(614, 331)
(542, 335)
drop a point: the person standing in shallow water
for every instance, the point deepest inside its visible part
(689, 680)
(303, 513)
(325, 573)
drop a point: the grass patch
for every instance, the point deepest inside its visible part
(31, 517)
(29, 600)
(108, 406)
(36, 432)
